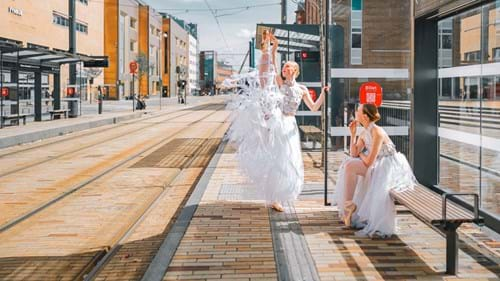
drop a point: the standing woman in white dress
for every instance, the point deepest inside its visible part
(265, 131)
(365, 201)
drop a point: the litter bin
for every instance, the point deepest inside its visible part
(73, 107)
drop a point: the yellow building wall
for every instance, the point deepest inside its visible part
(144, 47)
(111, 45)
(166, 54)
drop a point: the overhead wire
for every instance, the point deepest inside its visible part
(218, 24)
(247, 7)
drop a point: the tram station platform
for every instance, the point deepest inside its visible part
(162, 198)
(113, 112)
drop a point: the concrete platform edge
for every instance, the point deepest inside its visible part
(54, 132)
(160, 263)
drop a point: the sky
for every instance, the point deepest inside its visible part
(237, 26)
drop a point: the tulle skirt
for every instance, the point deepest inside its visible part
(376, 212)
(267, 145)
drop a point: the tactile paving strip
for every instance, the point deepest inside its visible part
(237, 192)
(174, 154)
(205, 153)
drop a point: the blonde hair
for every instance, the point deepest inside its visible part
(296, 67)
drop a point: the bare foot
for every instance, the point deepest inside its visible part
(277, 207)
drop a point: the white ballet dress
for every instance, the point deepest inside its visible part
(376, 212)
(265, 134)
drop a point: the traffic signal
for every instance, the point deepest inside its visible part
(70, 91)
(313, 94)
(307, 56)
(309, 64)
(181, 84)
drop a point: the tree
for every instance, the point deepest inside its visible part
(142, 60)
(145, 68)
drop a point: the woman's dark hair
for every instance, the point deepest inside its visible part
(371, 111)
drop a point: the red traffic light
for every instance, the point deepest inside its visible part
(70, 91)
(5, 92)
(313, 94)
(303, 55)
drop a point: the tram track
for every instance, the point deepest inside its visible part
(17, 220)
(89, 145)
(112, 250)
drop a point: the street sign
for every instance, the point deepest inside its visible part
(370, 92)
(5, 92)
(133, 67)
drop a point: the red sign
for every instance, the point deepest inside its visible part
(313, 94)
(70, 91)
(5, 92)
(370, 92)
(133, 67)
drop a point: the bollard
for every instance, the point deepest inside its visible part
(99, 102)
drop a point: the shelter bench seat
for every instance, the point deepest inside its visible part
(441, 214)
(14, 117)
(58, 112)
(311, 131)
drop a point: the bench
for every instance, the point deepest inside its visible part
(58, 112)
(441, 214)
(14, 117)
(311, 131)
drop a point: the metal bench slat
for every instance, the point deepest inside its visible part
(454, 211)
(429, 205)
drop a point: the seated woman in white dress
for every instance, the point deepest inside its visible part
(365, 201)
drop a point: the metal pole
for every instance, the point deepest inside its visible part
(283, 11)
(250, 53)
(80, 83)
(288, 46)
(326, 106)
(17, 87)
(133, 92)
(1, 89)
(72, 39)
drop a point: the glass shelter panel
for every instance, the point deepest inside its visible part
(469, 113)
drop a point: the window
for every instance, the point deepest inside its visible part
(473, 56)
(356, 31)
(60, 19)
(86, 2)
(446, 41)
(357, 5)
(82, 28)
(356, 40)
(132, 46)
(63, 21)
(133, 23)
(496, 54)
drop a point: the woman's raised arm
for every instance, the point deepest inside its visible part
(279, 80)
